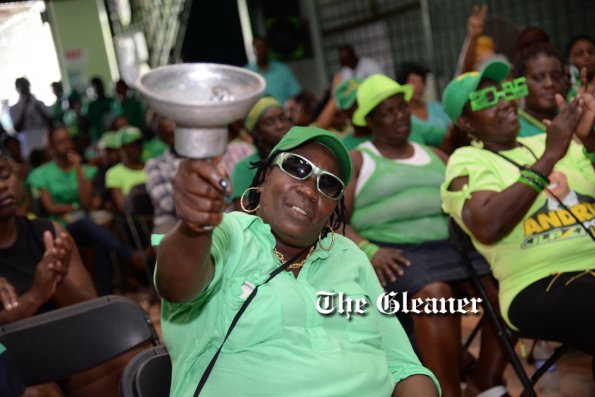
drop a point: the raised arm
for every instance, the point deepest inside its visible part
(489, 215)
(184, 264)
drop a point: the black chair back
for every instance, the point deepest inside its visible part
(148, 374)
(57, 344)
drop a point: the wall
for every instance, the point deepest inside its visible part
(81, 30)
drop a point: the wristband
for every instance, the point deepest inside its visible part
(370, 249)
(530, 183)
(536, 177)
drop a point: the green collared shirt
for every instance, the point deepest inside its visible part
(282, 346)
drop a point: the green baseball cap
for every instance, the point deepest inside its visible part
(297, 136)
(457, 91)
(373, 91)
(110, 140)
(129, 134)
(346, 92)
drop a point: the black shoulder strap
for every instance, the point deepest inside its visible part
(235, 320)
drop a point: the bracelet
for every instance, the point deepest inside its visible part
(531, 184)
(370, 249)
(590, 156)
(535, 176)
(535, 180)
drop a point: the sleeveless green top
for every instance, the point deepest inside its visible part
(399, 202)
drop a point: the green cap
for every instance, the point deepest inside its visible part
(297, 136)
(373, 91)
(258, 109)
(458, 90)
(109, 140)
(346, 92)
(129, 134)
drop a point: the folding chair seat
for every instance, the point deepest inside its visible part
(463, 245)
(57, 344)
(148, 374)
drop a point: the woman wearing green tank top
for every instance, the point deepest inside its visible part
(395, 216)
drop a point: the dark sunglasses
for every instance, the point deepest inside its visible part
(301, 168)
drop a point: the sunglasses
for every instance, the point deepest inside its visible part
(301, 168)
(490, 96)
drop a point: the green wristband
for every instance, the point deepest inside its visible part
(530, 183)
(370, 249)
(536, 177)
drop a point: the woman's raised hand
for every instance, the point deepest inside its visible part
(200, 188)
(561, 129)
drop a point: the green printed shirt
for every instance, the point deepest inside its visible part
(548, 240)
(282, 346)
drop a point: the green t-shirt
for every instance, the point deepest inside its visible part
(548, 239)
(432, 130)
(153, 148)
(242, 175)
(529, 125)
(351, 142)
(282, 346)
(124, 178)
(62, 185)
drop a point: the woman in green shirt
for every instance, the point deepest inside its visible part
(210, 263)
(529, 206)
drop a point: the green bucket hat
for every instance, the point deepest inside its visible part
(129, 134)
(110, 140)
(346, 92)
(373, 91)
(458, 90)
(258, 109)
(297, 136)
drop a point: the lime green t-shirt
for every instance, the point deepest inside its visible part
(63, 186)
(242, 175)
(124, 178)
(351, 142)
(282, 346)
(548, 240)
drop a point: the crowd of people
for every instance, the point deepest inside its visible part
(350, 194)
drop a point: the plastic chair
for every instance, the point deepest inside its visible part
(57, 344)
(463, 245)
(148, 374)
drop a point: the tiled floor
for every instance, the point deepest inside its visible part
(572, 378)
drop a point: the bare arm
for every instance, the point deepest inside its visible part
(475, 25)
(416, 386)
(117, 198)
(184, 264)
(386, 262)
(489, 215)
(51, 207)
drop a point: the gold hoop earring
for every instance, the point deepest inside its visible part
(242, 201)
(332, 240)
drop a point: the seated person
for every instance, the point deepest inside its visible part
(40, 267)
(284, 247)
(397, 220)
(122, 177)
(65, 191)
(160, 172)
(527, 204)
(266, 123)
(157, 145)
(109, 148)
